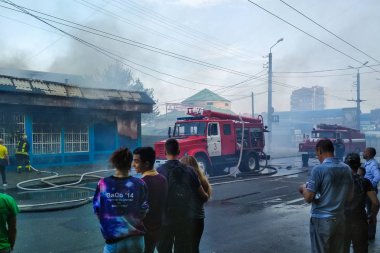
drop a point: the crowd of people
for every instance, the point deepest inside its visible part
(162, 211)
(169, 202)
(344, 200)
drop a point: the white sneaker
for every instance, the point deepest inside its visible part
(4, 185)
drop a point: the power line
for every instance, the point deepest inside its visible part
(54, 42)
(244, 81)
(187, 31)
(134, 43)
(166, 52)
(96, 48)
(281, 76)
(112, 55)
(338, 37)
(317, 71)
(182, 30)
(323, 76)
(311, 71)
(240, 98)
(308, 34)
(160, 72)
(140, 26)
(296, 87)
(25, 23)
(179, 99)
(148, 67)
(242, 90)
(256, 94)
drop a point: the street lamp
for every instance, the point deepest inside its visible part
(270, 50)
(358, 100)
(270, 107)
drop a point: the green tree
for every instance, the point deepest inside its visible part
(115, 76)
(147, 117)
(119, 77)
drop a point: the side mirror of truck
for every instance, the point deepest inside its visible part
(170, 132)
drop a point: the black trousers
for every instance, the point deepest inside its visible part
(3, 175)
(22, 161)
(198, 227)
(356, 232)
(3, 165)
(151, 239)
(177, 234)
(371, 227)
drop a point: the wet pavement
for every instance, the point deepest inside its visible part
(253, 215)
(53, 189)
(42, 189)
(263, 215)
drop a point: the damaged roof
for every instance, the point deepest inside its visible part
(22, 85)
(62, 93)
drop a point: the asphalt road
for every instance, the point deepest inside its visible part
(264, 214)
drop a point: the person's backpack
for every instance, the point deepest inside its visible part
(179, 193)
(354, 207)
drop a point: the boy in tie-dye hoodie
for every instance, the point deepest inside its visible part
(120, 202)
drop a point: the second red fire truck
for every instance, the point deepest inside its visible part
(219, 140)
(353, 139)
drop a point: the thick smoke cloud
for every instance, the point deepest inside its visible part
(82, 60)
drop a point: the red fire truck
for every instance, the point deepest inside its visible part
(218, 140)
(353, 139)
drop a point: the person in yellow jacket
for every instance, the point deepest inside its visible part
(22, 154)
(4, 161)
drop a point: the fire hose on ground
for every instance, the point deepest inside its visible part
(57, 205)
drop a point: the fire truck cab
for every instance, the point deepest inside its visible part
(217, 139)
(353, 139)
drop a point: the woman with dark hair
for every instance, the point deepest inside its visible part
(120, 202)
(198, 208)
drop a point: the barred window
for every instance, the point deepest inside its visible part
(46, 139)
(76, 139)
(19, 121)
(12, 128)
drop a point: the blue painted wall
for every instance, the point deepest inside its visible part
(103, 135)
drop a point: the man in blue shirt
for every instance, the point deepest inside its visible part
(372, 174)
(329, 187)
(371, 167)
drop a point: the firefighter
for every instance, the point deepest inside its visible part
(22, 154)
(340, 149)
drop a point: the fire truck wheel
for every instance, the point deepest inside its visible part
(250, 163)
(204, 164)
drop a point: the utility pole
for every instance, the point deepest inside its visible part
(358, 111)
(270, 106)
(358, 100)
(253, 104)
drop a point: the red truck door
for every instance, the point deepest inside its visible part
(228, 139)
(213, 139)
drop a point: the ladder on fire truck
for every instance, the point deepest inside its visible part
(197, 112)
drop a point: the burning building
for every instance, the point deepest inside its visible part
(66, 124)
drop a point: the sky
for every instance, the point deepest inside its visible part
(179, 47)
